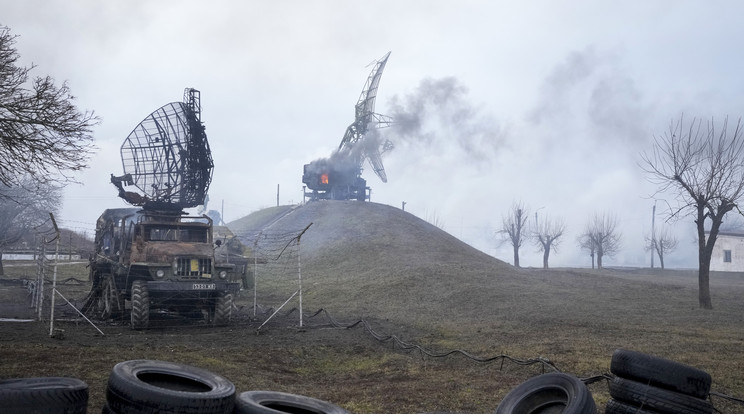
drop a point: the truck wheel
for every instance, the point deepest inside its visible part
(110, 298)
(44, 395)
(222, 309)
(148, 386)
(273, 402)
(140, 305)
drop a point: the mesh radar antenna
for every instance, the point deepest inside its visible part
(364, 116)
(167, 158)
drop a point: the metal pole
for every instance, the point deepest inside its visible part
(299, 268)
(299, 273)
(40, 280)
(54, 277)
(255, 274)
(653, 234)
(255, 277)
(78, 311)
(276, 311)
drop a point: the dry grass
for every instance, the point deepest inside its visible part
(410, 279)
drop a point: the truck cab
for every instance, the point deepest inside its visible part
(164, 260)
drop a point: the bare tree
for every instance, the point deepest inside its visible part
(704, 168)
(23, 208)
(547, 236)
(661, 243)
(514, 228)
(601, 237)
(43, 135)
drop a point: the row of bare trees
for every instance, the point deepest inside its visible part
(601, 236)
(515, 229)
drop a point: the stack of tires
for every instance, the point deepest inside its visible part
(645, 384)
(149, 386)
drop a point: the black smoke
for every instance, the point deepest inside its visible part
(439, 113)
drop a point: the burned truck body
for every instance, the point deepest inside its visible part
(334, 181)
(160, 260)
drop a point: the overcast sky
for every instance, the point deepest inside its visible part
(545, 102)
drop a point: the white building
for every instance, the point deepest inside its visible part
(728, 253)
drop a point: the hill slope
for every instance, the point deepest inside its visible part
(372, 260)
(366, 257)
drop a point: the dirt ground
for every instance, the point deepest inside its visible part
(412, 286)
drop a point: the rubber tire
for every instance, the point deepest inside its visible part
(273, 402)
(657, 399)
(618, 407)
(661, 373)
(549, 393)
(149, 386)
(140, 317)
(222, 309)
(44, 395)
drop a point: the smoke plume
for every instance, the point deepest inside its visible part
(437, 113)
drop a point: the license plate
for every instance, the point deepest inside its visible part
(203, 286)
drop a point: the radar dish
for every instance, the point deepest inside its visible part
(167, 157)
(353, 141)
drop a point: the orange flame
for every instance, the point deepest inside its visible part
(324, 178)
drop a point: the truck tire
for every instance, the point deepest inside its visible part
(273, 402)
(111, 300)
(661, 373)
(549, 393)
(657, 399)
(222, 309)
(148, 386)
(140, 316)
(45, 395)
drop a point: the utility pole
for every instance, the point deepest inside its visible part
(653, 234)
(536, 216)
(277, 195)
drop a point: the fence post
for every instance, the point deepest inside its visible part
(40, 281)
(54, 277)
(299, 268)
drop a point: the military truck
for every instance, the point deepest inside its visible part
(159, 260)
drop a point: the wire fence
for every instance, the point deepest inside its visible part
(269, 279)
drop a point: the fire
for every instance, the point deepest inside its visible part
(324, 178)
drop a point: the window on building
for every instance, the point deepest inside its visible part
(727, 256)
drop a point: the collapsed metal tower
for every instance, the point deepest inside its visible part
(167, 158)
(339, 176)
